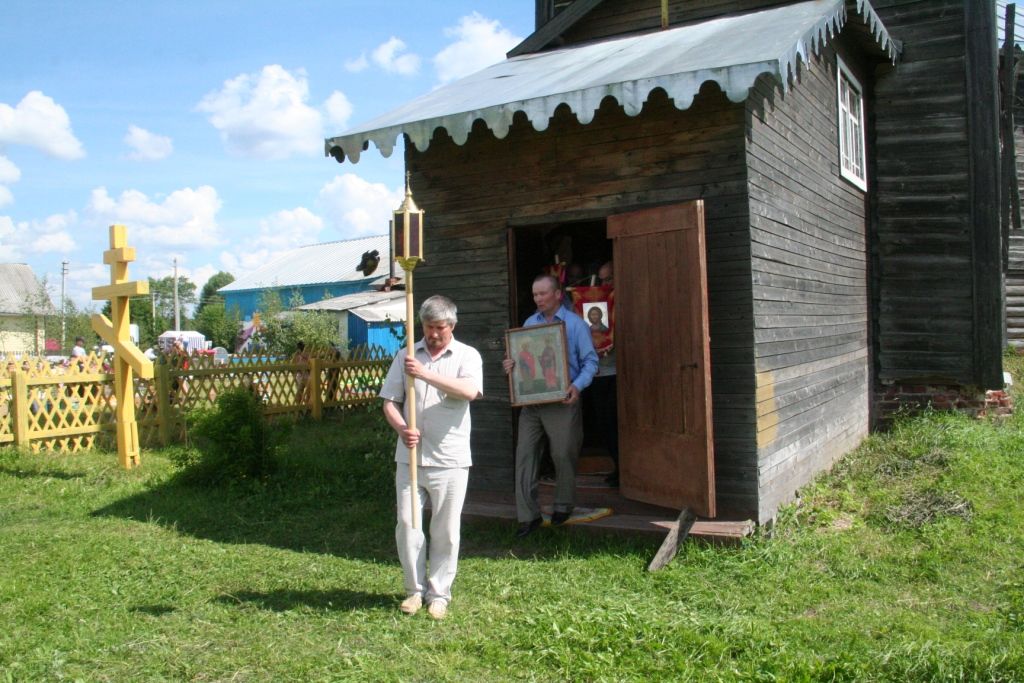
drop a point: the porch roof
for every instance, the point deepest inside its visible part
(732, 51)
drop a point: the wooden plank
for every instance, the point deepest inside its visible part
(676, 535)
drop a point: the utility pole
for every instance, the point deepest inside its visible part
(63, 305)
(177, 315)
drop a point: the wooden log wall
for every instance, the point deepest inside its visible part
(619, 17)
(473, 193)
(923, 275)
(1015, 292)
(1015, 267)
(810, 283)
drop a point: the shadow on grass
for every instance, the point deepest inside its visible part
(18, 473)
(286, 600)
(334, 494)
(153, 610)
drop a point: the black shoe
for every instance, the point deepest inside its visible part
(527, 528)
(560, 518)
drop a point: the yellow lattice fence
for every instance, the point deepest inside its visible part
(68, 409)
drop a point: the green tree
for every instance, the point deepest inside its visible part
(162, 291)
(78, 323)
(282, 329)
(219, 324)
(209, 294)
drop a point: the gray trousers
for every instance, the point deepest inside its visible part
(563, 426)
(446, 487)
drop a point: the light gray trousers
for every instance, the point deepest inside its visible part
(446, 487)
(563, 426)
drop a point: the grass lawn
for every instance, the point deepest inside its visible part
(904, 564)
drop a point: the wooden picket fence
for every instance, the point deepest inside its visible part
(69, 409)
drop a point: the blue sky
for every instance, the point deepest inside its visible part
(199, 124)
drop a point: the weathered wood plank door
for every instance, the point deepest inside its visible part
(666, 455)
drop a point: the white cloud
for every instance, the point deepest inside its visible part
(357, 207)
(240, 263)
(147, 146)
(278, 232)
(9, 173)
(186, 217)
(391, 57)
(51, 235)
(8, 250)
(288, 229)
(338, 108)
(265, 115)
(37, 121)
(358, 64)
(479, 42)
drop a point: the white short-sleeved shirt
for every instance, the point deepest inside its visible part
(443, 421)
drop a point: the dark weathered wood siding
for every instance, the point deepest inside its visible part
(473, 193)
(1015, 292)
(809, 269)
(617, 17)
(926, 250)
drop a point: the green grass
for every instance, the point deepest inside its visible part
(904, 564)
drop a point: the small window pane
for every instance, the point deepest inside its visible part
(852, 154)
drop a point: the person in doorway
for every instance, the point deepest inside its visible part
(603, 391)
(447, 375)
(561, 423)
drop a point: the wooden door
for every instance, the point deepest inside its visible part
(666, 455)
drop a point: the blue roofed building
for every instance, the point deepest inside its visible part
(314, 272)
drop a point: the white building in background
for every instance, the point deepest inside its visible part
(23, 307)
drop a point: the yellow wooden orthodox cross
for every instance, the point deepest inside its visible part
(127, 357)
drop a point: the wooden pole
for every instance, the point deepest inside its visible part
(410, 397)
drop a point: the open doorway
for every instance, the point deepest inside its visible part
(583, 247)
(661, 342)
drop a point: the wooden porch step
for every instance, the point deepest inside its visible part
(726, 532)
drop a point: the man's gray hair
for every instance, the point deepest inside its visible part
(550, 279)
(438, 309)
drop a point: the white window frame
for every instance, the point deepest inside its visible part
(853, 158)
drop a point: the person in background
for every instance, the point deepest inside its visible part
(78, 352)
(301, 375)
(447, 376)
(603, 391)
(561, 423)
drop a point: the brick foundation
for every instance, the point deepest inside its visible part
(913, 398)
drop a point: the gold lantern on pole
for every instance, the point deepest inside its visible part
(407, 244)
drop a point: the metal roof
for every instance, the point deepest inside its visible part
(382, 311)
(1018, 22)
(19, 291)
(316, 264)
(732, 51)
(347, 302)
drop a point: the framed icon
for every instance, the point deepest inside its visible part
(541, 372)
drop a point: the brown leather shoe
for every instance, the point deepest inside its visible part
(560, 518)
(527, 528)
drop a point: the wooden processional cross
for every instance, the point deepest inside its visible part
(127, 357)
